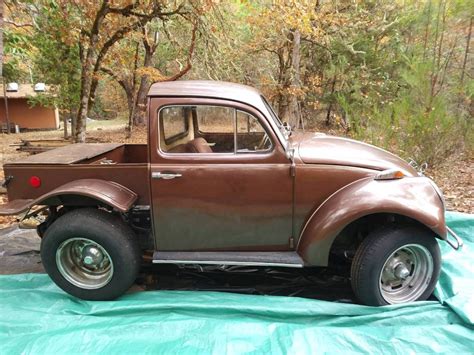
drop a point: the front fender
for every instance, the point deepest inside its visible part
(414, 197)
(108, 192)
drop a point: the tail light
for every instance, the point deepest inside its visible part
(35, 182)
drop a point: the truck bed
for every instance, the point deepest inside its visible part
(88, 153)
(126, 164)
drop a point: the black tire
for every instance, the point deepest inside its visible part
(378, 248)
(111, 234)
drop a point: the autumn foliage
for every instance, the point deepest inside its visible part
(397, 74)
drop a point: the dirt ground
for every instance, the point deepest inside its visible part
(455, 177)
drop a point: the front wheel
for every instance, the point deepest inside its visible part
(91, 254)
(394, 266)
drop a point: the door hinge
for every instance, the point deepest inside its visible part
(293, 169)
(292, 243)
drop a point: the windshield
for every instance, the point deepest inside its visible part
(283, 129)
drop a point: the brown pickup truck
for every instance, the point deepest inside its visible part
(223, 181)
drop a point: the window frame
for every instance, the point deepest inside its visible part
(234, 153)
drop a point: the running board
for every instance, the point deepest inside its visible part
(280, 258)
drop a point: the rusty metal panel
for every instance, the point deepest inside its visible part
(69, 154)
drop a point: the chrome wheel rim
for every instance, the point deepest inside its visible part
(84, 263)
(406, 274)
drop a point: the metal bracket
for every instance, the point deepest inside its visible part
(7, 180)
(459, 243)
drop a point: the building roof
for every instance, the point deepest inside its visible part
(24, 91)
(207, 88)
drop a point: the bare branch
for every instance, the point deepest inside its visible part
(188, 66)
(19, 25)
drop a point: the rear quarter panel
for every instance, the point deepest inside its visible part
(132, 176)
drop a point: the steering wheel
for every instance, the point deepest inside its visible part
(263, 142)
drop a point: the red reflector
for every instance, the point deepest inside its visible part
(35, 181)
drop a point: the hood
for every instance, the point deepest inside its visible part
(317, 148)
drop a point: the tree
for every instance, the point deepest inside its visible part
(136, 69)
(97, 26)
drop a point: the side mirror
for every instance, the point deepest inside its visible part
(287, 128)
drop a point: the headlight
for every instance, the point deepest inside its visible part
(390, 174)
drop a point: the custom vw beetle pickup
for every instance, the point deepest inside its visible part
(223, 181)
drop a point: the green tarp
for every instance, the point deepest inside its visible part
(37, 317)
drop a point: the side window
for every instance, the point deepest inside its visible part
(210, 129)
(251, 136)
(173, 123)
(215, 127)
(215, 119)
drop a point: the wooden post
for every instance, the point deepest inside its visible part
(7, 116)
(65, 125)
(1, 38)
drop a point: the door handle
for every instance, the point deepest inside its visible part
(165, 176)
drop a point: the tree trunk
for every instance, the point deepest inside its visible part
(65, 121)
(328, 114)
(288, 108)
(132, 95)
(131, 109)
(293, 107)
(466, 52)
(434, 73)
(139, 116)
(427, 30)
(87, 64)
(81, 119)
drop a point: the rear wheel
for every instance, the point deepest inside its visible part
(395, 266)
(91, 254)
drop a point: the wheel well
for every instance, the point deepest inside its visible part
(74, 200)
(348, 240)
(137, 218)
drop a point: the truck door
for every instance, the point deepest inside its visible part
(220, 179)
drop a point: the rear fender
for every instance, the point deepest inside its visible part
(106, 192)
(413, 197)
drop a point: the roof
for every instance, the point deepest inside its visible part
(207, 88)
(24, 91)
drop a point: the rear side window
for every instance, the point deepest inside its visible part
(174, 123)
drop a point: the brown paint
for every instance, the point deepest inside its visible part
(221, 201)
(323, 149)
(411, 197)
